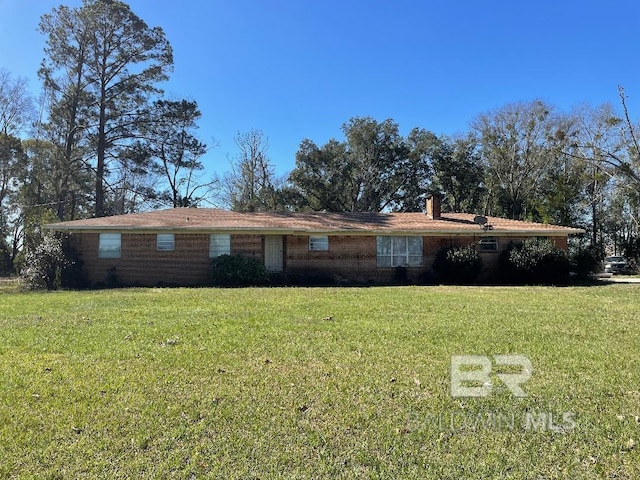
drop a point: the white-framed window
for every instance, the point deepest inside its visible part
(319, 243)
(109, 245)
(399, 251)
(219, 244)
(165, 242)
(488, 244)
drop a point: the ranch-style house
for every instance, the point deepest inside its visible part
(175, 246)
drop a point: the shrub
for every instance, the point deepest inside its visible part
(52, 264)
(45, 264)
(631, 249)
(507, 272)
(238, 271)
(536, 261)
(457, 264)
(585, 263)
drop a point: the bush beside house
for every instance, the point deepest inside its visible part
(51, 265)
(238, 271)
(536, 261)
(585, 263)
(457, 265)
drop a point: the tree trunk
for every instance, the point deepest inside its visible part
(102, 146)
(594, 221)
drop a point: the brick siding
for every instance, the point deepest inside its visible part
(141, 263)
(349, 258)
(248, 245)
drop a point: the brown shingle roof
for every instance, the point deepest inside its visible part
(208, 219)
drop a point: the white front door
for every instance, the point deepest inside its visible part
(273, 253)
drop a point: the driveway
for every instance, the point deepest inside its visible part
(620, 279)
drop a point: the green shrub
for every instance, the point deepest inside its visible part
(536, 261)
(507, 272)
(238, 271)
(585, 263)
(457, 265)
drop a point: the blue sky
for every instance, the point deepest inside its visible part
(300, 69)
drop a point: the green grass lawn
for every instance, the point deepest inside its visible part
(317, 383)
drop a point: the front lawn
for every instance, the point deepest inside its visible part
(317, 383)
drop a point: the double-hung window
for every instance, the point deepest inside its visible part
(399, 251)
(109, 245)
(319, 243)
(165, 242)
(219, 244)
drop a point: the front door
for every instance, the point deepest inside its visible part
(273, 253)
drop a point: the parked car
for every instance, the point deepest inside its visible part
(616, 265)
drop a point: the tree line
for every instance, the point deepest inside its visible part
(102, 138)
(525, 161)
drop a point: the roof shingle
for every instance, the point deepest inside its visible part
(208, 219)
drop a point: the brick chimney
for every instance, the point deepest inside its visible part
(433, 206)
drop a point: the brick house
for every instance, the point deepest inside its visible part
(174, 247)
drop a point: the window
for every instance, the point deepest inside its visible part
(319, 243)
(488, 244)
(109, 245)
(166, 242)
(399, 251)
(219, 244)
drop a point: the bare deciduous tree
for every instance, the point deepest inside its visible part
(16, 104)
(251, 185)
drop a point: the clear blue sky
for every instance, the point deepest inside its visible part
(300, 69)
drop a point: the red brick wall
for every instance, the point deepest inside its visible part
(432, 245)
(247, 245)
(352, 258)
(561, 242)
(349, 258)
(141, 263)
